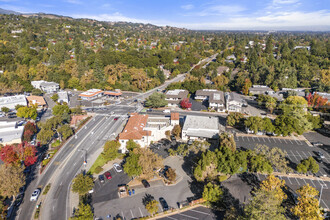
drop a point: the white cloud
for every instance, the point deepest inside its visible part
(218, 10)
(276, 2)
(111, 17)
(77, 2)
(187, 7)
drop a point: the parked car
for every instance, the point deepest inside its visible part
(115, 119)
(167, 111)
(320, 154)
(12, 116)
(145, 183)
(112, 113)
(318, 159)
(35, 195)
(19, 199)
(173, 138)
(101, 178)
(117, 167)
(37, 119)
(317, 144)
(108, 175)
(190, 142)
(164, 204)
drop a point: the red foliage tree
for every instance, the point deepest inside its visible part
(12, 154)
(185, 104)
(27, 136)
(8, 155)
(316, 101)
(30, 126)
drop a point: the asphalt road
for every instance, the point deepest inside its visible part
(68, 162)
(297, 150)
(198, 213)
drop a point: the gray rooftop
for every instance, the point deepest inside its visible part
(8, 132)
(201, 123)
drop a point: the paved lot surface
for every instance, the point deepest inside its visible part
(295, 183)
(108, 190)
(297, 150)
(194, 214)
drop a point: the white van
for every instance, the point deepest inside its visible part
(167, 111)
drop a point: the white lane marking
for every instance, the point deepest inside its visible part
(205, 213)
(81, 156)
(290, 141)
(132, 213)
(122, 214)
(187, 216)
(313, 183)
(141, 212)
(170, 217)
(325, 186)
(299, 155)
(304, 181)
(74, 164)
(325, 204)
(294, 155)
(53, 208)
(289, 180)
(263, 139)
(297, 181)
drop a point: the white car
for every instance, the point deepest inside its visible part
(35, 195)
(117, 167)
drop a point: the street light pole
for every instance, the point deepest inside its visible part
(321, 194)
(85, 156)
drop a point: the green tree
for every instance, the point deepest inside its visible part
(84, 212)
(170, 174)
(152, 207)
(132, 167)
(45, 135)
(82, 184)
(131, 145)
(110, 150)
(254, 123)
(308, 164)
(27, 112)
(156, 100)
(65, 131)
(212, 193)
(60, 109)
(37, 92)
(268, 125)
(234, 118)
(11, 179)
(308, 206)
(55, 97)
(227, 140)
(5, 109)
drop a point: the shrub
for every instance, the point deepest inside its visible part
(45, 162)
(98, 169)
(46, 189)
(222, 178)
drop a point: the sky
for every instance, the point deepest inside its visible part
(192, 14)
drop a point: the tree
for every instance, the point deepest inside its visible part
(60, 109)
(110, 150)
(37, 92)
(170, 174)
(27, 112)
(131, 166)
(11, 179)
(268, 125)
(316, 101)
(308, 206)
(308, 165)
(273, 184)
(8, 155)
(65, 131)
(227, 140)
(45, 135)
(246, 86)
(176, 131)
(185, 104)
(152, 207)
(82, 184)
(5, 109)
(84, 212)
(131, 145)
(55, 97)
(234, 118)
(254, 123)
(293, 103)
(156, 100)
(212, 193)
(14, 154)
(148, 161)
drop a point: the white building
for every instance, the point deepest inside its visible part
(48, 87)
(234, 102)
(10, 133)
(200, 127)
(174, 97)
(11, 101)
(63, 97)
(91, 94)
(214, 97)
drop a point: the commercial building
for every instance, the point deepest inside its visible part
(63, 97)
(48, 87)
(174, 97)
(200, 127)
(91, 94)
(234, 102)
(11, 101)
(10, 133)
(113, 94)
(144, 129)
(259, 89)
(36, 100)
(215, 98)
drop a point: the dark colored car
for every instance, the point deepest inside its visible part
(108, 175)
(19, 199)
(164, 204)
(145, 183)
(101, 178)
(115, 119)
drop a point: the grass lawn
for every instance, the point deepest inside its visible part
(100, 161)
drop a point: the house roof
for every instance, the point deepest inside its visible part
(175, 116)
(205, 92)
(46, 84)
(114, 93)
(33, 99)
(201, 123)
(215, 96)
(91, 93)
(76, 118)
(134, 128)
(222, 69)
(177, 93)
(260, 88)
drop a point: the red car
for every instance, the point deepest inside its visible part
(115, 119)
(108, 175)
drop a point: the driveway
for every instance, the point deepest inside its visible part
(133, 207)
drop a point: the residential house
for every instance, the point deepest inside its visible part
(214, 98)
(36, 100)
(91, 94)
(48, 87)
(200, 127)
(144, 129)
(259, 89)
(302, 47)
(11, 101)
(10, 133)
(230, 59)
(63, 97)
(298, 91)
(222, 69)
(234, 102)
(174, 97)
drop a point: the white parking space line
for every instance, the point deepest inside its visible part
(284, 141)
(248, 138)
(289, 180)
(325, 204)
(269, 140)
(304, 181)
(280, 177)
(188, 216)
(258, 139)
(263, 139)
(304, 154)
(325, 186)
(122, 214)
(132, 213)
(290, 141)
(294, 155)
(205, 213)
(141, 212)
(297, 181)
(170, 217)
(299, 155)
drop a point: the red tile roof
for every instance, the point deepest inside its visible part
(175, 116)
(76, 118)
(134, 128)
(114, 93)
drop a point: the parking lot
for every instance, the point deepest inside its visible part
(194, 214)
(295, 183)
(297, 150)
(109, 189)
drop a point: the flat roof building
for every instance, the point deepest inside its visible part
(260, 89)
(48, 87)
(91, 94)
(200, 127)
(11, 101)
(63, 97)
(10, 133)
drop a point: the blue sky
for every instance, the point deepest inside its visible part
(192, 14)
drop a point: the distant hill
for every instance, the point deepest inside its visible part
(7, 12)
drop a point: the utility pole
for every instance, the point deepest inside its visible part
(85, 156)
